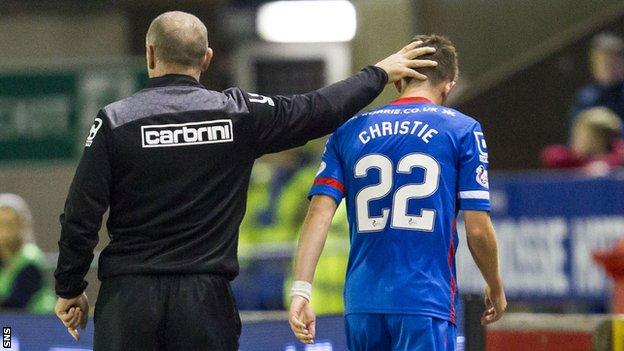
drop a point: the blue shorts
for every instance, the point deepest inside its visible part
(373, 332)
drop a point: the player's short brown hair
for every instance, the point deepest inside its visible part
(445, 56)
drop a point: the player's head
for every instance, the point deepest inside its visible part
(440, 79)
(606, 57)
(177, 42)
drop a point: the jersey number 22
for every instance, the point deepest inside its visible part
(400, 219)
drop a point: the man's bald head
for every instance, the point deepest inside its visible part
(178, 38)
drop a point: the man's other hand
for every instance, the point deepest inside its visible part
(403, 64)
(302, 319)
(73, 313)
(495, 305)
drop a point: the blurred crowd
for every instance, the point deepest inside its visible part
(595, 143)
(277, 204)
(23, 276)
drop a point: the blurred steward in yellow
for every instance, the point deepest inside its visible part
(23, 283)
(277, 205)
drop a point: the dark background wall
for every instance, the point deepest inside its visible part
(529, 109)
(521, 63)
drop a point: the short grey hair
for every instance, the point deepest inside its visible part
(19, 205)
(178, 38)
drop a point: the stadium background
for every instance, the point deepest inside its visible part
(521, 64)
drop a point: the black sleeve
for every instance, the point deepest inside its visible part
(284, 122)
(25, 285)
(86, 202)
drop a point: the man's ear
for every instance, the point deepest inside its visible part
(150, 56)
(207, 58)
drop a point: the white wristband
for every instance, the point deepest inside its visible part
(301, 288)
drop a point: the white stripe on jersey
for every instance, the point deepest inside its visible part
(475, 194)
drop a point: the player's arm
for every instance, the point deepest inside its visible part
(474, 201)
(284, 122)
(311, 241)
(481, 239)
(326, 193)
(86, 202)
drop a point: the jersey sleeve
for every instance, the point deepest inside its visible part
(329, 179)
(284, 122)
(86, 202)
(473, 171)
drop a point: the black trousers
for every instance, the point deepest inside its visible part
(166, 312)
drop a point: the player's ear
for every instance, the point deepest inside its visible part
(446, 90)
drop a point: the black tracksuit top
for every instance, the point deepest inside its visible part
(173, 161)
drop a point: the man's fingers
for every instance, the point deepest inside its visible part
(491, 315)
(415, 74)
(84, 320)
(485, 318)
(66, 317)
(312, 329)
(421, 63)
(73, 323)
(410, 46)
(79, 318)
(300, 335)
(419, 52)
(296, 322)
(305, 338)
(74, 333)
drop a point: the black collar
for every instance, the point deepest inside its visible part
(172, 80)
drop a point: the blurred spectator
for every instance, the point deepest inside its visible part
(596, 143)
(22, 273)
(606, 58)
(277, 206)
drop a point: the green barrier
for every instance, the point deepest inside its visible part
(46, 115)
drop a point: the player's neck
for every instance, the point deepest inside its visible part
(423, 92)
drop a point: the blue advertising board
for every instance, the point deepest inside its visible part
(548, 225)
(46, 333)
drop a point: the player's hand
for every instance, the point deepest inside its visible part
(403, 64)
(73, 313)
(302, 320)
(495, 305)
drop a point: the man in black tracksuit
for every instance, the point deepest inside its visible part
(172, 162)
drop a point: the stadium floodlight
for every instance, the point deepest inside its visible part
(307, 21)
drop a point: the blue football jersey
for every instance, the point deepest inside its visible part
(405, 170)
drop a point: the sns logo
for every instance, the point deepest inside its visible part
(481, 146)
(6, 337)
(261, 99)
(94, 129)
(482, 176)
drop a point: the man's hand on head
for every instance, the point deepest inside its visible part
(403, 64)
(73, 313)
